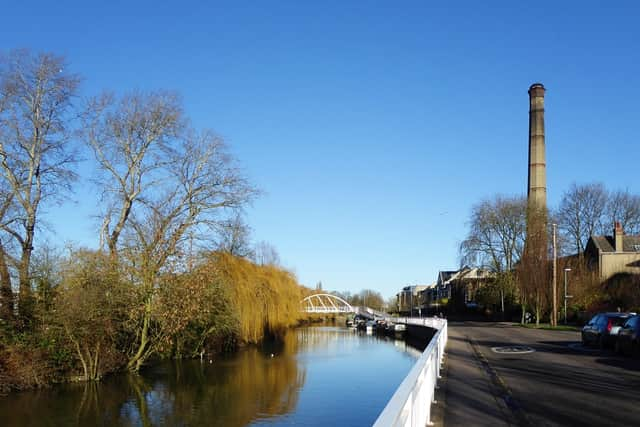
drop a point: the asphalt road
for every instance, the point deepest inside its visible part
(537, 378)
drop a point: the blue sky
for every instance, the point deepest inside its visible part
(372, 127)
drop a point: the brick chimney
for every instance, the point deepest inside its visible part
(618, 236)
(537, 178)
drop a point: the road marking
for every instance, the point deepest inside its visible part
(513, 349)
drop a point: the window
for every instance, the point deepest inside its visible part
(636, 248)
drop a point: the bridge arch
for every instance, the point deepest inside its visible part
(326, 303)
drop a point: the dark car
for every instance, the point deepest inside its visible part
(629, 337)
(603, 328)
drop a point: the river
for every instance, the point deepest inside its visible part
(319, 376)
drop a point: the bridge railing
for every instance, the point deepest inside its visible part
(411, 403)
(327, 310)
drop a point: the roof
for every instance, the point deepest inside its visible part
(477, 273)
(606, 243)
(446, 277)
(414, 288)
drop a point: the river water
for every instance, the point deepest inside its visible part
(319, 376)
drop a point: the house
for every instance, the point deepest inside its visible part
(427, 297)
(408, 299)
(467, 284)
(610, 255)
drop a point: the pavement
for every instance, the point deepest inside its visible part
(498, 374)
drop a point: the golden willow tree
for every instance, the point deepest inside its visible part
(163, 183)
(265, 298)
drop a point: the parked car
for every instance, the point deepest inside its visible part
(629, 337)
(603, 329)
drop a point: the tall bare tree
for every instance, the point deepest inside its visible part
(496, 239)
(496, 234)
(130, 138)
(624, 208)
(580, 213)
(186, 191)
(35, 152)
(533, 269)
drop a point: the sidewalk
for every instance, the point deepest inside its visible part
(471, 397)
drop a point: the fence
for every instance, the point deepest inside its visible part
(410, 405)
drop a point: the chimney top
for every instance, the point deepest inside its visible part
(536, 89)
(618, 228)
(618, 236)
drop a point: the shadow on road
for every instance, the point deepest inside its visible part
(621, 362)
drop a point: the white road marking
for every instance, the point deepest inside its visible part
(513, 349)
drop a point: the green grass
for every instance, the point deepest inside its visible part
(548, 327)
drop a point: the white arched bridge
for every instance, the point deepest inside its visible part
(328, 303)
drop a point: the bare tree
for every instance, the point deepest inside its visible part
(165, 185)
(624, 208)
(234, 237)
(533, 269)
(496, 239)
(266, 254)
(35, 152)
(581, 212)
(200, 183)
(496, 235)
(130, 138)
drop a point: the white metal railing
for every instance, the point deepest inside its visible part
(410, 405)
(328, 310)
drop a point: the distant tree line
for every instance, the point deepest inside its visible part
(175, 273)
(364, 298)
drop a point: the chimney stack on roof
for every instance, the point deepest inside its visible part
(618, 237)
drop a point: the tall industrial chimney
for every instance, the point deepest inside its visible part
(534, 265)
(537, 190)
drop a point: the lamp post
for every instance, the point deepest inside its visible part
(554, 313)
(566, 270)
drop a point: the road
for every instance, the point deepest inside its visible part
(559, 383)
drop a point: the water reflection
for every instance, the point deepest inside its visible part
(293, 382)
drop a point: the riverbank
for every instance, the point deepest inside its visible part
(319, 375)
(98, 322)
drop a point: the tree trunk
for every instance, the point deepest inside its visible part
(6, 293)
(135, 362)
(85, 368)
(25, 296)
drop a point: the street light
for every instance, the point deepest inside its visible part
(554, 312)
(566, 270)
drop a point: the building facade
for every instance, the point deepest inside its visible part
(408, 300)
(610, 255)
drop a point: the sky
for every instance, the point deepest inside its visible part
(372, 127)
